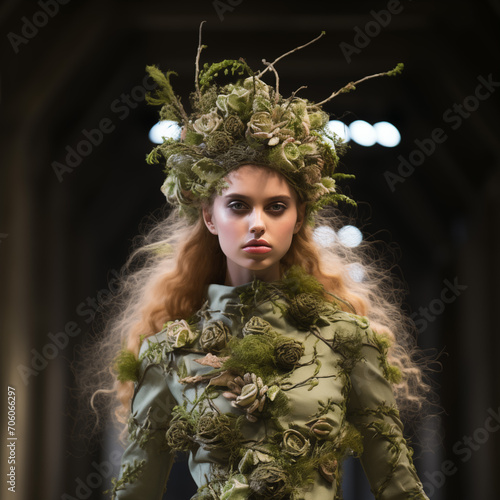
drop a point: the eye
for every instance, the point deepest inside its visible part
(277, 207)
(237, 206)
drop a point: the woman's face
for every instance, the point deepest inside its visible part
(255, 218)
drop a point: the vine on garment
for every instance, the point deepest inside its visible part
(254, 372)
(130, 474)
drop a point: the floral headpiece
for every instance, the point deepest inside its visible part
(245, 122)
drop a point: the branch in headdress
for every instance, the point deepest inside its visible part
(270, 65)
(200, 48)
(352, 85)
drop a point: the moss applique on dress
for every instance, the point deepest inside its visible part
(272, 389)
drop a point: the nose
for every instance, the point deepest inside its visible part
(257, 225)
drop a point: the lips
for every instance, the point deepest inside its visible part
(257, 246)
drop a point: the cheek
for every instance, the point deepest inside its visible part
(228, 230)
(290, 223)
(284, 230)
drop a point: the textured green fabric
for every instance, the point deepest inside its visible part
(322, 393)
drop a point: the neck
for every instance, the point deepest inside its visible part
(236, 276)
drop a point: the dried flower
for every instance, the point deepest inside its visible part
(270, 127)
(256, 325)
(213, 431)
(247, 393)
(288, 354)
(328, 467)
(239, 101)
(218, 142)
(179, 333)
(208, 123)
(304, 310)
(320, 428)
(269, 481)
(215, 336)
(234, 126)
(294, 443)
(179, 434)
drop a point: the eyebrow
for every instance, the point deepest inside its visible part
(271, 198)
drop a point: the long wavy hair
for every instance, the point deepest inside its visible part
(166, 275)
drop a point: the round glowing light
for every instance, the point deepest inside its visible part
(356, 272)
(339, 128)
(387, 134)
(350, 236)
(166, 128)
(363, 133)
(324, 236)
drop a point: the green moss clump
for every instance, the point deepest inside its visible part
(126, 366)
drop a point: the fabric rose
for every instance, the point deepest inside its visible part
(328, 468)
(234, 126)
(215, 336)
(213, 430)
(208, 123)
(219, 142)
(320, 428)
(178, 436)
(295, 444)
(304, 310)
(179, 333)
(236, 488)
(288, 354)
(270, 481)
(255, 326)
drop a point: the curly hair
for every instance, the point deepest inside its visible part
(166, 275)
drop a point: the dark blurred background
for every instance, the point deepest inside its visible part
(71, 67)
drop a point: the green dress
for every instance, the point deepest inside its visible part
(269, 387)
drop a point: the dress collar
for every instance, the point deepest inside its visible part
(222, 296)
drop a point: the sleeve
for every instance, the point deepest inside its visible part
(147, 460)
(386, 457)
